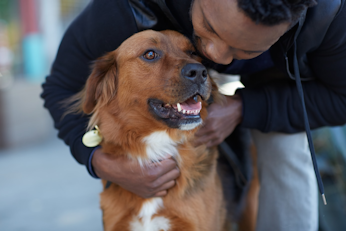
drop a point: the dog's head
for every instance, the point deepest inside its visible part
(153, 81)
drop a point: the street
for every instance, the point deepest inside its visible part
(42, 187)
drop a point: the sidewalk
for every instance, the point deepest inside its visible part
(43, 188)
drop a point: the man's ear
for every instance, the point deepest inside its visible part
(101, 85)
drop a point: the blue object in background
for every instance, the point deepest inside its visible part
(33, 55)
(339, 139)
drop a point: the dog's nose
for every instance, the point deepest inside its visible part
(195, 72)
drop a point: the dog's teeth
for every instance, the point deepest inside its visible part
(184, 111)
(179, 107)
(167, 105)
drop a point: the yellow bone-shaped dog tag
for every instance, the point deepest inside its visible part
(92, 138)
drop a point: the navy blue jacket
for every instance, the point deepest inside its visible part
(321, 52)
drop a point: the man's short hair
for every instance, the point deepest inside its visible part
(273, 12)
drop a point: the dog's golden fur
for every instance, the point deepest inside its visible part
(116, 95)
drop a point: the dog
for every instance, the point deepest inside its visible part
(148, 98)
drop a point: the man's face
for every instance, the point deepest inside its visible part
(222, 32)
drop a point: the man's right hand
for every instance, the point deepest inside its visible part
(152, 181)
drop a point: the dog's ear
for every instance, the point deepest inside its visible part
(101, 85)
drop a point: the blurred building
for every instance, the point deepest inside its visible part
(30, 33)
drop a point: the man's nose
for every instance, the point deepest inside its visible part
(219, 53)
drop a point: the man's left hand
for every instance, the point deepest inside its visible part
(221, 121)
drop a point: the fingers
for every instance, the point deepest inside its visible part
(209, 142)
(160, 190)
(161, 194)
(205, 129)
(165, 181)
(210, 139)
(144, 182)
(199, 140)
(163, 190)
(163, 167)
(161, 178)
(166, 186)
(203, 135)
(214, 142)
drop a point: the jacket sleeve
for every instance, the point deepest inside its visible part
(276, 106)
(100, 28)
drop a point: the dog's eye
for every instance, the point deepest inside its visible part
(192, 53)
(150, 55)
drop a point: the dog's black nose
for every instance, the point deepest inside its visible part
(195, 72)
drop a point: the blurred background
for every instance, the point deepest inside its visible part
(41, 186)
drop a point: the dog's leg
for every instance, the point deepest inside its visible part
(247, 221)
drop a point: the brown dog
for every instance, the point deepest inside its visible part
(148, 98)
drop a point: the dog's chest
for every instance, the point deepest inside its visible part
(159, 146)
(145, 221)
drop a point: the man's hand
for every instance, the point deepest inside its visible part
(221, 121)
(153, 181)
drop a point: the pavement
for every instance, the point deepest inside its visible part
(42, 187)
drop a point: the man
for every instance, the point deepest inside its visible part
(264, 41)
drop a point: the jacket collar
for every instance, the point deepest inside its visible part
(282, 47)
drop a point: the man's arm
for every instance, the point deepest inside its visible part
(91, 35)
(100, 28)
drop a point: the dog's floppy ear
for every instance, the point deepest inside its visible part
(215, 96)
(101, 85)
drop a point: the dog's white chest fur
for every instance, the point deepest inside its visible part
(159, 146)
(144, 220)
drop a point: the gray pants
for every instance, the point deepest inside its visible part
(288, 198)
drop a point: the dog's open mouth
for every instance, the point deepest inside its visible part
(184, 115)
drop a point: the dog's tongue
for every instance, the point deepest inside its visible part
(191, 104)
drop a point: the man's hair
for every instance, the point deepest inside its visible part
(273, 12)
